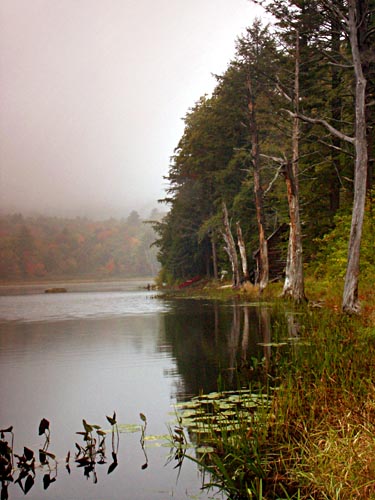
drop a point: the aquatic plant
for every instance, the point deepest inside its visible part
(21, 469)
(313, 439)
(93, 449)
(216, 423)
(23, 472)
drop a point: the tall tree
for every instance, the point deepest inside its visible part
(294, 281)
(256, 52)
(354, 17)
(357, 27)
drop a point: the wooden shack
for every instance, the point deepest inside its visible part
(277, 251)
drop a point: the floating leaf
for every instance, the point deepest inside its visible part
(205, 401)
(236, 398)
(205, 449)
(250, 404)
(188, 404)
(129, 428)
(272, 344)
(214, 395)
(157, 437)
(188, 413)
(224, 405)
(188, 422)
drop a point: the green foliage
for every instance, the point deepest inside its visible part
(311, 437)
(330, 263)
(213, 160)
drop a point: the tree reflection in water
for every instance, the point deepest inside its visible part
(221, 344)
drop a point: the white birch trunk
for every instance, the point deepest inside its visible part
(230, 247)
(350, 302)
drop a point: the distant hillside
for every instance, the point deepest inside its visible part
(52, 247)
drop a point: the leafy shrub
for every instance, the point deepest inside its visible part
(332, 258)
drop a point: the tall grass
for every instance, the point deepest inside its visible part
(317, 439)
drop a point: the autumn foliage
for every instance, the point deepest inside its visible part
(51, 247)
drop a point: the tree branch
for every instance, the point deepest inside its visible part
(282, 91)
(273, 180)
(324, 123)
(337, 148)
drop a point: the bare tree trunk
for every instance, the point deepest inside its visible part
(230, 247)
(241, 246)
(214, 255)
(359, 32)
(350, 302)
(263, 275)
(294, 283)
(336, 114)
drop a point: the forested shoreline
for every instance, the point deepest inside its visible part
(42, 248)
(287, 137)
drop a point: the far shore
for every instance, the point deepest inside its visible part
(49, 281)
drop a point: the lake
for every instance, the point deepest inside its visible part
(115, 347)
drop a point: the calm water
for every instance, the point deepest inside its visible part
(114, 347)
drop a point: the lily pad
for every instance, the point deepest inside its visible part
(205, 449)
(272, 344)
(189, 413)
(215, 395)
(129, 428)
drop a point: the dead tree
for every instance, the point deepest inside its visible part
(263, 275)
(230, 247)
(294, 282)
(242, 248)
(353, 19)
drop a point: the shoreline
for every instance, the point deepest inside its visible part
(74, 281)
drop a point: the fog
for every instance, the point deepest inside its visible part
(93, 93)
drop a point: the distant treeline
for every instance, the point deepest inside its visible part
(52, 247)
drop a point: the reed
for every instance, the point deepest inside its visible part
(316, 439)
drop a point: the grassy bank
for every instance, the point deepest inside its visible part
(316, 440)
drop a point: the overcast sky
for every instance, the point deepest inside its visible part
(93, 92)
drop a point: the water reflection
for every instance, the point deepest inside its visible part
(94, 451)
(215, 344)
(125, 351)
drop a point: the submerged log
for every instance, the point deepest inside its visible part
(56, 290)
